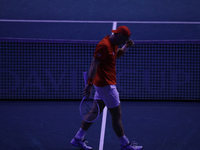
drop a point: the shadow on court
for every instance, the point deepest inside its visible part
(48, 125)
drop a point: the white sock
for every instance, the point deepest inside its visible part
(80, 134)
(124, 140)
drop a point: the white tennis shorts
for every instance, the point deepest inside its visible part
(108, 94)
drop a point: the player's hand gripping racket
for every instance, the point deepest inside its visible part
(89, 108)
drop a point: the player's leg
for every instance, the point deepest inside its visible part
(118, 128)
(114, 106)
(117, 124)
(116, 120)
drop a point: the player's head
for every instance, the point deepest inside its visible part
(122, 34)
(124, 30)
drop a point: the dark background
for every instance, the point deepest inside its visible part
(160, 81)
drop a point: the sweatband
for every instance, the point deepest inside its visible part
(90, 81)
(124, 48)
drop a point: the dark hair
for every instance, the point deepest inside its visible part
(116, 33)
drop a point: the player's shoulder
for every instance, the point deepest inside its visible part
(104, 43)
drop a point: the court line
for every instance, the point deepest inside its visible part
(82, 21)
(103, 128)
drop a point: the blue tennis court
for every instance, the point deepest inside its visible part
(48, 125)
(46, 46)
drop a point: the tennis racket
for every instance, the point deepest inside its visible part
(89, 108)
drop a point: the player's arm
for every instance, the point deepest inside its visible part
(124, 49)
(120, 53)
(92, 73)
(93, 68)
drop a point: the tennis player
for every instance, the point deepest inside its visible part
(102, 75)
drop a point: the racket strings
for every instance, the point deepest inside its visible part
(90, 110)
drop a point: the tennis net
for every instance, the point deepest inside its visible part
(52, 69)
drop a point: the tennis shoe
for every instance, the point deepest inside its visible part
(80, 143)
(131, 146)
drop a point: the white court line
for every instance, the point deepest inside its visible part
(103, 128)
(79, 21)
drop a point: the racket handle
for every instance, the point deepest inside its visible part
(85, 77)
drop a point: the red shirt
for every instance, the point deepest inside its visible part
(105, 52)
